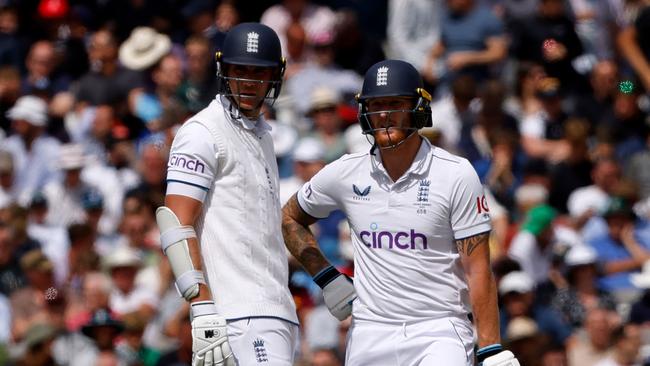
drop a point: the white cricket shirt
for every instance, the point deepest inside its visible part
(229, 164)
(407, 267)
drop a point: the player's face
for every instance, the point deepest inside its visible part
(390, 117)
(251, 88)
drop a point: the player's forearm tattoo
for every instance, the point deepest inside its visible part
(299, 239)
(467, 245)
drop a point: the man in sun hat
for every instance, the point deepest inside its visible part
(34, 153)
(532, 247)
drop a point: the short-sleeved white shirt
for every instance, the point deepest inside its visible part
(407, 266)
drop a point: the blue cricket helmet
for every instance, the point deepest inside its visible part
(251, 44)
(395, 78)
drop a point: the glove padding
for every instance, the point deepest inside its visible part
(209, 338)
(503, 358)
(338, 292)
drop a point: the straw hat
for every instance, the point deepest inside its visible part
(144, 48)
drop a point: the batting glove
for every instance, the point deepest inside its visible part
(494, 355)
(210, 345)
(338, 291)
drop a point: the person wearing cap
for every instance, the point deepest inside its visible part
(577, 290)
(308, 159)
(621, 250)
(517, 294)
(124, 265)
(533, 245)
(420, 225)
(327, 123)
(34, 153)
(222, 175)
(104, 329)
(64, 197)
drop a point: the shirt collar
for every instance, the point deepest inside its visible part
(419, 166)
(259, 127)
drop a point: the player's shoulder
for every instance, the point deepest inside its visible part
(444, 157)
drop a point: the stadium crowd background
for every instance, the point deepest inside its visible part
(547, 98)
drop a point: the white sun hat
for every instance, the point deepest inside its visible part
(144, 48)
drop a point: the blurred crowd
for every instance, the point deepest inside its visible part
(548, 99)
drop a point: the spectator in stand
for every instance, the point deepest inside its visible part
(107, 82)
(597, 106)
(634, 44)
(42, 78)
(592, 200)
(549, 39)
(33, 152)
(471, 42)
(451, 113)
(199, 88)
(315, 19)
(595, 344)
(533, 246)
(578, 292)
(413, 29)
(627, 343)
(327, 123)
(542, 134)
(619, 250)
(516, 290)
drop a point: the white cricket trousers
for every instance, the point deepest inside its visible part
(446, 341)
(263, 341)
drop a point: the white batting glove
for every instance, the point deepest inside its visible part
(338, 291)
(494, 355)
(210, 345)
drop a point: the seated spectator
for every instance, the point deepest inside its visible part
(127, 296)
(579, 293)
(327, 124)
(34, 153)
(591, 201)
(595, 344)
(542, 134)
(42, 78)
(471, 41)
(518, 299)
(619, 250)
(104, 329)
(627, 343)
(131, 347)
(532, 247)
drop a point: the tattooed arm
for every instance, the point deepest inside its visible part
(475, 256)
(299, 239)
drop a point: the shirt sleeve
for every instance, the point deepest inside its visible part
(318, 196)
(493, 26)
(192, 162)
(532, 126)
(470, 214)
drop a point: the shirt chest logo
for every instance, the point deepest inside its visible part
(359, 194)
(422, 197)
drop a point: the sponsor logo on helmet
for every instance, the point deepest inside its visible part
(186, 163)
(389, 240)
(252, 42)
(382, 76)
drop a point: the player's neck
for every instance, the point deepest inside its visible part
(398, 160)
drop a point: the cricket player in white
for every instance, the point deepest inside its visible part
(420, 225)
(222, 213)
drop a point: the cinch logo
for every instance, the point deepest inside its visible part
(382, 76)
(189, 164)
(252, 42)
(359, 194)
(388, 240)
